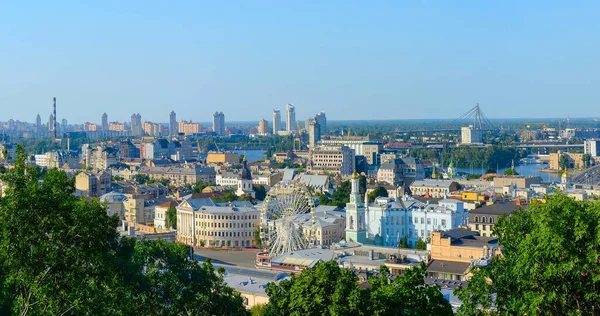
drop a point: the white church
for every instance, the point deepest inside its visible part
(387, 221)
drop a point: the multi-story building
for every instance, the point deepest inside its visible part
(355, 142)
(454, 253)
(332, 159)
(128, 150)
(188, 127)
(399, 170)
(521, 182)
(471, 135)
(201, 223)
(7, 151)
(219, 123)
(152, 129)
(276, 121)
(90, 127)
(173, 127)
(433, 188)
(160, 214)
(314, 133)
(116, 126)
(222, 158)
(290, 123)
(180, 176)
(263, 126)
(104, 122)
(371, 152)
(591, 147)
(483, 219)
(322, 121)
(91, 184)
(136, 125)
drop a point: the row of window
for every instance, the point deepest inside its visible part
(225, 234)
(226, 217)
(224, 225)
(483, 219)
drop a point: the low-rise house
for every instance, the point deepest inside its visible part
(434, 188)
(91, 184)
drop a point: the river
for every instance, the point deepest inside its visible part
(251, 155)
(524, 170)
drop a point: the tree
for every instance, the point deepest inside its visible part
(60, 254)
(341, 196)
(260, 192)
(550, 262)
(403, 243)
(198, 187)
(362, 185)
(511, 172)
(328, 289)
(257, 239)
(421, 245)
(323, 199)
(141, 178)
(586, 159)
(171, 218)
(377, 192)
(563, 162)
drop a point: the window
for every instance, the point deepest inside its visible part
(476, 226)
(444, 222)
(484, 227)
(476, 219)
(491, 220)
(483, 219)
(416, 220)
(429, 221)
(422, 220)
(422, 233)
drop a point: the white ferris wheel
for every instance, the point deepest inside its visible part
(288, 219)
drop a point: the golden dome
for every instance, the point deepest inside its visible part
(565, 174)
(354, 175)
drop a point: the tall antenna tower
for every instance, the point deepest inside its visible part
(54, 121)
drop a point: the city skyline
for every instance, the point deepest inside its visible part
(515, 59)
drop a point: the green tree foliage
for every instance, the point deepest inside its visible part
(421, 244)
(550, 263)
(198, 187)
(473, 176)
(587, 160)
(257, 240)
(229, 196)
(323, 199)
(260, 192)
(328, 289)
(141, 178)
(61, 255)
(563, 162)
(362, 185)
(341, 196)
(403, 243)
(377, 192)
(258, 310)
(511, 172)
(171, 218)
(163, 181)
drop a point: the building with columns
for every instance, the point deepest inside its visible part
(201, 223)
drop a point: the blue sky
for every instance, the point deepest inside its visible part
(353, 59)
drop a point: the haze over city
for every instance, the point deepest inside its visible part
(392, 60)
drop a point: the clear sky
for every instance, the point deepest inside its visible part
(354, 59)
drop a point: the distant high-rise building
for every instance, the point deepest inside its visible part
(38, 121)
(173, 128)
(322, 120)
(592, 147)
(471, 135)
(188, 127)
(64, 124)
(276, 121)
(104, 122)
(219, 123)
(263, 126)
(152, 129)
(116, 126)
(290, 124)
(51, 123)
(314, 133)
(136, 125)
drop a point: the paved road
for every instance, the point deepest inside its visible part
(590, 176)
(243, 258)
